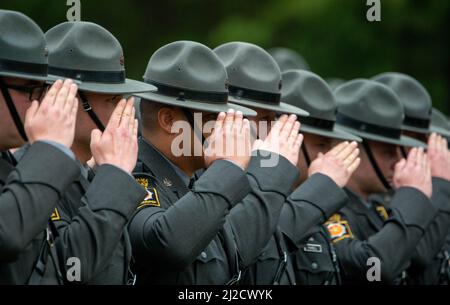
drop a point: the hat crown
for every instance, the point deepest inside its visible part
(21, 39)
(310, 92)
(250, 67)
(189, 65)
(370, 102)
(288, 59)
(84, 46)
(414, 97)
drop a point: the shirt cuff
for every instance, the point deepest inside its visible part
(61, 147)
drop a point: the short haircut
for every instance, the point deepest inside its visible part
(149, 114)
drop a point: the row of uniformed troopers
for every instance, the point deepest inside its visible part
(362, 172)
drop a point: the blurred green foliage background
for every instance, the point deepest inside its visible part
(333, 36)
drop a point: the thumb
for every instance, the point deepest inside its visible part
(400, 165)
(96, 135)
(320, 156)
(31, 111)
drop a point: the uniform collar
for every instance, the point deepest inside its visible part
(365, 208)
(160, 167)
(356, 202)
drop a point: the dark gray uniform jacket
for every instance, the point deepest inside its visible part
(430, 262)
(209, 233)
(360, 231)
(290, 252)
(91, 220)
(29, 193)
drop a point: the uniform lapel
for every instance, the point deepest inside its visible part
(5, 169)
(161, 170)
(359, 207)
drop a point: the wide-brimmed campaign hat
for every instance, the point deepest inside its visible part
(288, 59)
(188, 74)
(439, 123)
(309, 91)
(23, 52)
(414, 97)
(372, 111)
(254, 78)
(90, 55)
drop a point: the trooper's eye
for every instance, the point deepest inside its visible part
(37, 93)
(115, 99)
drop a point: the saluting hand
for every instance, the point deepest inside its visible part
(117, 145)
(439, 157)
(284, 139)
(230, 140)
(339, 163)
(414, 172)
(54, 118)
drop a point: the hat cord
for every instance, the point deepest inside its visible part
(12, 110)
(305, 154)
(88, 108)
(403, 151)
(375, 166)
(190, 118)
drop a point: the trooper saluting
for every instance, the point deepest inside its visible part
(31, 188)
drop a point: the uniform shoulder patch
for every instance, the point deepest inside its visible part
(339, 230)
(151, 198)
(55, 215)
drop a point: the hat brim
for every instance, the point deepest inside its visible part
(130, 86)
(195, 105)
(403, 141)
(416, 129)
(439, 130)
(280, 108)
(336, 133)
(23, 76)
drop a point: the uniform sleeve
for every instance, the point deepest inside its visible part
(91, 229)
(173, 237)
(316, 200)
(30, 194)
(254, 220)
(436, 233)
(393, 245)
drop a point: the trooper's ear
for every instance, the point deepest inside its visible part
(167, 116)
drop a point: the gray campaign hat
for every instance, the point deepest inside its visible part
(372, 111)
(334, 82)
(23, 52)
(414, 97)
(439, 123)
(309, 91)
(254, 77)
(188, 74)
(91, 55)
(288, 59)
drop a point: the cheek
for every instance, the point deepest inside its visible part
(314, 151)
(22, 103)
(107, 112)
(387, 165)
(104, 111)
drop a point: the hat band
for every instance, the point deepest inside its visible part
(187, 94)
(107, 77)
(327, 125)
(7, 65)
(416, 122)
(388, 132)
(260, 96)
